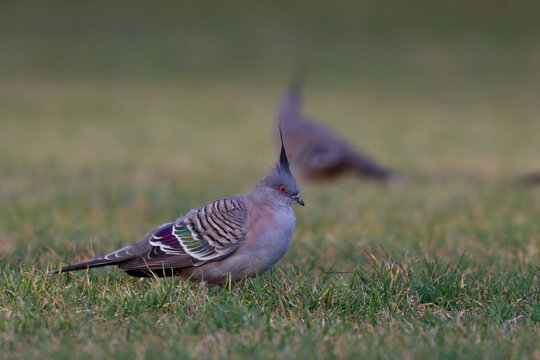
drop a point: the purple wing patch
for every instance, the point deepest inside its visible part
(164, 238)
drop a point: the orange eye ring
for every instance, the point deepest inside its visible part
(282, 189)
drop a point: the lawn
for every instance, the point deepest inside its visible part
(118, 118)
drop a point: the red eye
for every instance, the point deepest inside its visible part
(282, 188)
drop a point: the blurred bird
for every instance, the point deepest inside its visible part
(531, 179)
(315, 151)
(231, 238)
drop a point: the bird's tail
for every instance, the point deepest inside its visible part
(94, 263)
(368, 168)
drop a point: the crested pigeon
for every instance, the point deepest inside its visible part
(231, 238)
(531, 179)
(315, 151)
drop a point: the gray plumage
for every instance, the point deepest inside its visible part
(531, 179)
(315, 151)
(235, 237)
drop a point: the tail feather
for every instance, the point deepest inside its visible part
(369, 168)
(94, 263)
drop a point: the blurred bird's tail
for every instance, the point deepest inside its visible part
(368, 168)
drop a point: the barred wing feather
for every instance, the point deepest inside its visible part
(208, 233)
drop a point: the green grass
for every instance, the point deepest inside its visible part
(114, 120)
(413, 308)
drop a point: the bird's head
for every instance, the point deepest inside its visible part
(280, 183)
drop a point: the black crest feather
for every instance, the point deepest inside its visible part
(283, 161)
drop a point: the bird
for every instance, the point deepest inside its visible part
(531, 179)
(226, 240)
(315, 151)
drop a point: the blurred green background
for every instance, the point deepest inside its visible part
(131, 113)
(127, 114)
(116, 117)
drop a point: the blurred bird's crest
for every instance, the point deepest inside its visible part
(291, 103)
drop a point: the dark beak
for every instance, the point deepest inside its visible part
(297, 199)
